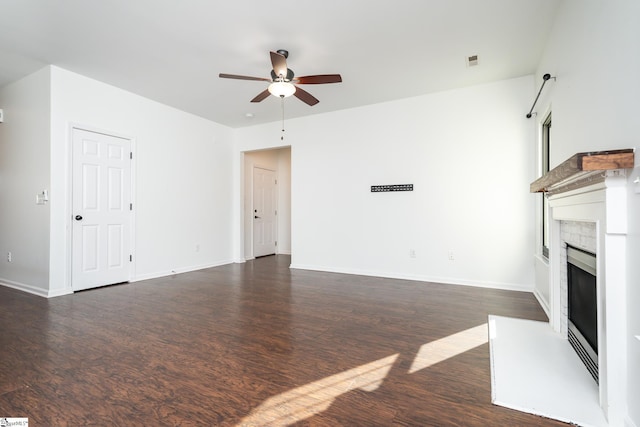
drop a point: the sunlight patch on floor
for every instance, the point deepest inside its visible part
(308, 400)
(450, 346)
(303, 402)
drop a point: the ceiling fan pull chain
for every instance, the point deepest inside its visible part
(282, 101)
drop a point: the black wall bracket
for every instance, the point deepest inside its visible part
(391, 187)
(544, 80)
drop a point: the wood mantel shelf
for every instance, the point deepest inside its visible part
(582, 169)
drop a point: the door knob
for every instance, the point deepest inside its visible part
(78, 217)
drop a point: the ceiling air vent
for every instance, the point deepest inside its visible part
(472, 60)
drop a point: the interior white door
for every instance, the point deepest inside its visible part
(264, 212)
(101, 197)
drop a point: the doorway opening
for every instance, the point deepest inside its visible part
(270, 232)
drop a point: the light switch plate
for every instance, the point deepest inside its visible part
(42, 198)
(1, 116)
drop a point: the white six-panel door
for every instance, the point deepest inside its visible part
(101, 197)
(264, 212)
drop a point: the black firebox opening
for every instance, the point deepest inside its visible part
(583, 306)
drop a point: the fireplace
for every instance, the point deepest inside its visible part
(582, 304)
(588, 210)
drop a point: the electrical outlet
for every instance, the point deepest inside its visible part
(9, 256)
(198, 248)
(412, 253)
(451, 256)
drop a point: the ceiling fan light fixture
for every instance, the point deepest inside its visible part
(282, 89)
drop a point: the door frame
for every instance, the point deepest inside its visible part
(69, 201)
(243, 162)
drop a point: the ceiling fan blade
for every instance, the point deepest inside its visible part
(279, 63)
(319, 79)
(237, 77)
(261, 96)
(305, 97)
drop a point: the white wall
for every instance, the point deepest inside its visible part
(24, 172)
(183, 177)
(278, 160)
(468, 153)
(593, 50)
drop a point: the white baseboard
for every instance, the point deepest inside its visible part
(544, 304)
(25, 288)
(389, 275)
(59, 293)
(179, 270)
(419, 278)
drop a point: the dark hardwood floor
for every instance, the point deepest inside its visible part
(253, 344)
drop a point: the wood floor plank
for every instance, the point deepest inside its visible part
(256, 344)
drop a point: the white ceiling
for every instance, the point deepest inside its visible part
(172, 51)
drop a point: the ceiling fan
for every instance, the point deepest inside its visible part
(282, 80)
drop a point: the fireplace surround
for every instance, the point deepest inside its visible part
(588, 210)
